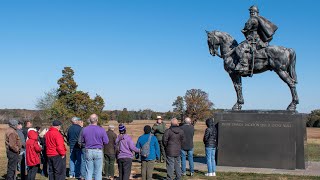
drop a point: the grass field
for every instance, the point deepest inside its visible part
(135, 129)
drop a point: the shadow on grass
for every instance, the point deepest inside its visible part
(200, 159)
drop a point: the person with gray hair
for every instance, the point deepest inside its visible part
(187, 146)
(13, 147)
(110, 153)
(173, 139)
(75, 150)
(94, 137)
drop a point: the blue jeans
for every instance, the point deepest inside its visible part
(183, 160)
(211, 163)
(94, 163)
(75, 162)
(83, 170)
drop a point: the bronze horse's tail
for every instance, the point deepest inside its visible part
(292, 66)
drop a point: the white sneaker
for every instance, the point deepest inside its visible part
(214, 174)
(209, 174)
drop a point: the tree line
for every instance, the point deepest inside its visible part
(67, 101)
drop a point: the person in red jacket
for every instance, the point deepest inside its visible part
(33, 150)
(56, 152)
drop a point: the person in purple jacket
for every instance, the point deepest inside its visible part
(94, 137)
(124, 156)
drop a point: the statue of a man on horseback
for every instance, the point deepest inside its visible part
(258, 32)
(254, 55)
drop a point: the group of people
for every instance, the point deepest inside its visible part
(92, 146)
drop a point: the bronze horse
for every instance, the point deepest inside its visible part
(279, 59)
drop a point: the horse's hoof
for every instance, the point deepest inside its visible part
(237, 107)
(292, 107)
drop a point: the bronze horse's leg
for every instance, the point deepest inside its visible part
(292, 85)
(236, 79)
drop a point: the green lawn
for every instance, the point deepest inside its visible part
(160, 173)
(313, 152)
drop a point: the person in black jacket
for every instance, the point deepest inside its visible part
(187, 146)
(210, 141)
(75, 150)
(173, 139)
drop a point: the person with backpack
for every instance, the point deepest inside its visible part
(149, 152)
(33, 150)
(124, 147)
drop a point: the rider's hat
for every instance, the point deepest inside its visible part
(254, 9)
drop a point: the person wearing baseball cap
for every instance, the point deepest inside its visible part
(158, 130)
(56, 151)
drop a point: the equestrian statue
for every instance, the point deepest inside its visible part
(255, 55)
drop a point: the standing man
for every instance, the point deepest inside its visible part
(22, 162)
(173, 139)
(27, 125)
(148, 142)
(56, 152)
(94, 138)
(75, 150)
(13, 147)
(83, 171)
(110, 153)
(158, 130)
(187, 146)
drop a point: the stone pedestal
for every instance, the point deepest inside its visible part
(261, 139)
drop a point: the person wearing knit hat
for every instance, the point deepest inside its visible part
(124, 147)
(122, 128)
(13, 147)
(148, 159)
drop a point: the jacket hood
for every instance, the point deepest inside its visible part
(209, 122)
(33, 135)
(175, 129)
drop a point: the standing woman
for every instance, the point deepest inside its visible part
(124, 148)
(33, 150)
(210, 141)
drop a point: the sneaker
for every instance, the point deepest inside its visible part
(71, 177)
(184, 174)
(214, 174)
(191, 174)
(209, 174)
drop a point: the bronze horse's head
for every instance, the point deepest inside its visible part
(213, 43)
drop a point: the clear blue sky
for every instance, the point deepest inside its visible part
(144, 53)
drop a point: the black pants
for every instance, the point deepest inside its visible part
(32, 172)
(124, 166)
(109, 165)
(22, 162)
(13, 159)
(162, 151)
(44, 160)
(57, 168)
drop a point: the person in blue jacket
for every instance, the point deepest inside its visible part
(147, 163)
